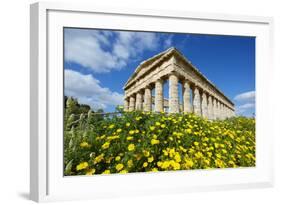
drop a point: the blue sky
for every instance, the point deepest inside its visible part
(97, 63)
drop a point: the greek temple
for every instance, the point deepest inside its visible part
(199, 95)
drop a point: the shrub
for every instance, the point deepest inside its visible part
(143, 141)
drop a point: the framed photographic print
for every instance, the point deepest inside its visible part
(127, 102)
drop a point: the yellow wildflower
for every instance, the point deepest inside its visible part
(159, 164)
(157, 123)
(146, 153)
(111, 126)
(130, 163)
(175, 165)
(188, 163)
(188, 131)
(128, 124)
(198, 155)
(209, 154)
(118, 167)
(82, 165)
(117, 158)
(98, 158)
(150, 159)
(119, 130)
(154, 141)
(138, 118)
(129, 138)
(145, 164)
(105, 145)
(182, 149)
(84, 144)
(207, 162)
(165, 164)
(106, 172)
(222, 145)
(166, 153)
(113, 137)
(177, 157)
(90, 172)
(206, 139)
(172, 152)
(219, 163)
(231, 163)
(123, 171)
(131, 147)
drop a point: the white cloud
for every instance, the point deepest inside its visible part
(103, 51)
(168, 41)
(246, 103)
(246, 96)
(246, 109)
(87, 90)
(246, 106)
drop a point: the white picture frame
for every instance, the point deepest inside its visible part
(47, 182)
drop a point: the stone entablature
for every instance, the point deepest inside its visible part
(199, 95)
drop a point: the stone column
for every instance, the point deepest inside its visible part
(147, 99)
(186, 97)
(196, 102)
(159, 99)
(139, 101)
(215, 109)
(204, 105)
(126, 104)
(219, 109)
(173, 93)
(210, 108)
(132, 103)
(223, 111)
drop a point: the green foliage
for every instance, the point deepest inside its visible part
(140, 142)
